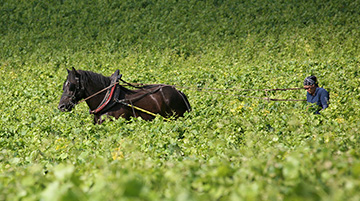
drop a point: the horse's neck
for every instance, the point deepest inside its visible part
(92, 87)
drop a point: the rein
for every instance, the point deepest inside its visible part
(216, 91)
(104, 89)
(210, 90)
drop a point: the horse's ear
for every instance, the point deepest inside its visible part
(68, 71)
(75, 72)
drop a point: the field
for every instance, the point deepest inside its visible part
(228, 147)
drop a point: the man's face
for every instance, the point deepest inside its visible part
(310, 88)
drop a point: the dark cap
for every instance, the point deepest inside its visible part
(311, 80)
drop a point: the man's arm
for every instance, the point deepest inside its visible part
(324, 99)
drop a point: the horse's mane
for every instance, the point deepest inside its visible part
(98, 79)
(94, 77)
(104, 81)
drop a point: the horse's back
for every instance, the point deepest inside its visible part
(165, 100)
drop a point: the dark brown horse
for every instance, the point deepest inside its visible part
(118, 101)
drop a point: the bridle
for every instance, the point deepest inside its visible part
(79, 88)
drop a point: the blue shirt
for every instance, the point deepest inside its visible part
(321, 98)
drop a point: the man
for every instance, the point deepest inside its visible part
(316, 94)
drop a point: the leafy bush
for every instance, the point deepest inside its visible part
(228, 147)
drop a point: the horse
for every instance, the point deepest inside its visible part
(118, 101)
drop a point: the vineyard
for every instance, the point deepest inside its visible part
(229, 147)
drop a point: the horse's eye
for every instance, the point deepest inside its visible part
(72, 87)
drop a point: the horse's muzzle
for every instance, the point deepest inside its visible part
(64, 108)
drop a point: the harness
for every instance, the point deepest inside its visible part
(112, 94)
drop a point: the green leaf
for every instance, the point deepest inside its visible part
(63, 171)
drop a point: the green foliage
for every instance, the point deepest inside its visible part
(228, 147)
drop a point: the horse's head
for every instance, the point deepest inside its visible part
(73, 91)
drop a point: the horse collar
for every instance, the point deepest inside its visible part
(105, 102)
(110, 96)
